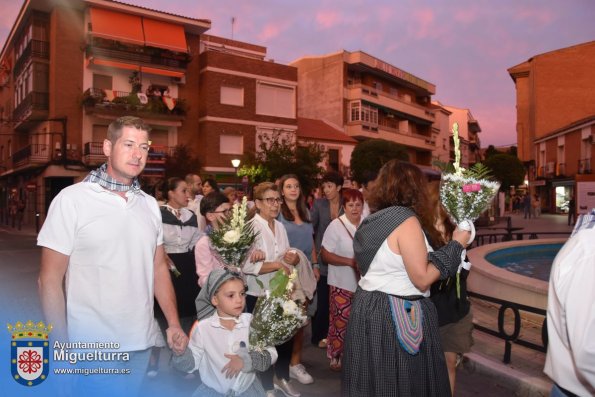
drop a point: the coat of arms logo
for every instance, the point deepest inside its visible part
(29, 352)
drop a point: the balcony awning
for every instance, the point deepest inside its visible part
(162, 72)
(164, 35)
(114, 64)
(118, 26)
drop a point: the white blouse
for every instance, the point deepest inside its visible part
(337, 241)
(180, 239)
(273, 245)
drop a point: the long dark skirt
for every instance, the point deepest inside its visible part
(375, 364)
(186, 289)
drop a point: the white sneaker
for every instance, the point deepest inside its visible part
(299, 373)
(271, 393)
(286, 388)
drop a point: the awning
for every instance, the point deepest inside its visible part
(162, 72)
(118, 26)
(114, 64)
(164, 35)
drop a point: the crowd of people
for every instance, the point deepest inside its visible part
(383, 259)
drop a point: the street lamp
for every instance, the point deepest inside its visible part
(236, 163)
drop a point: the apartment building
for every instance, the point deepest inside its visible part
(369, 98)
(69, 69)
(444, 152)
(242, 96)
(555, 115)
(469, 130)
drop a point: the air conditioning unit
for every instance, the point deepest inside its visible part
(178, 80)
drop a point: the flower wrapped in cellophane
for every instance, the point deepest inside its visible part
(465, 194)
(278, 314)
(232, 241)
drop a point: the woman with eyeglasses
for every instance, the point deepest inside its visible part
(215, 207)
(273, 242)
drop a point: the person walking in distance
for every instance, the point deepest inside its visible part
(103, 239)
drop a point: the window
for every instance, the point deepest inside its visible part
(275, 100)
(9, 148)
(359, 112)
(333, 159)
(102, 81)
(354, 111)
(1, 153)
(232, 96)
(231, 144)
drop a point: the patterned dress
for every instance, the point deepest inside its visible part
(374, 361)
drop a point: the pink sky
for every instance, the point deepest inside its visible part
(462, 46)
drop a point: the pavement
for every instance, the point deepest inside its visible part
(524, 374)
(482, 372)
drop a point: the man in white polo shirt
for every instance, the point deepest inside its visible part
(104, 238)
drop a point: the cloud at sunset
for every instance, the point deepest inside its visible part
(463, 47)
(327, 19)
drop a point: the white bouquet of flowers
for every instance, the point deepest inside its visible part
(232, 241)
(277, 316)
(465, 194)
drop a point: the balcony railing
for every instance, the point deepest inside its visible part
(136, 54)
(31, 154)
(584, 166)
(96, 100)
(33, 101)
(34, 49)
(383, 99)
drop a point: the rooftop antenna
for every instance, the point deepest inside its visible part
(233, 22)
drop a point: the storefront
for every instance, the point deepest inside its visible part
(563, 192)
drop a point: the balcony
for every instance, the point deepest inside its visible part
(135, 54)
(34, 106)
(158, 155)
(93, 153)
(120, 103)
(584, 166)
(34, 49)
(390, 102)
(363, 130)
(38, 154)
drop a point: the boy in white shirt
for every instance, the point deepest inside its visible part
(218, 346)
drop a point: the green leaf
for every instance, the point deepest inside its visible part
(478, 171)
(278, 283)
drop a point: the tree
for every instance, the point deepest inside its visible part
(279, 154)
(370, 155)
(181, 163)
(507, 169)
(491, 151)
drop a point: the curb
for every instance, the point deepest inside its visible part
(519, 382)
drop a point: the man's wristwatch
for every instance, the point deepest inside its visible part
(315, 265)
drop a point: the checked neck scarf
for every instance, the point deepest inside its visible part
(101, 177)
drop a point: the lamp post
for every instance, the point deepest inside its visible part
(236, 164)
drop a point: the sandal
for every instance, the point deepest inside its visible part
(335, 364)
(322, 344)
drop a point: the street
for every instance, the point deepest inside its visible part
(19, 261)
